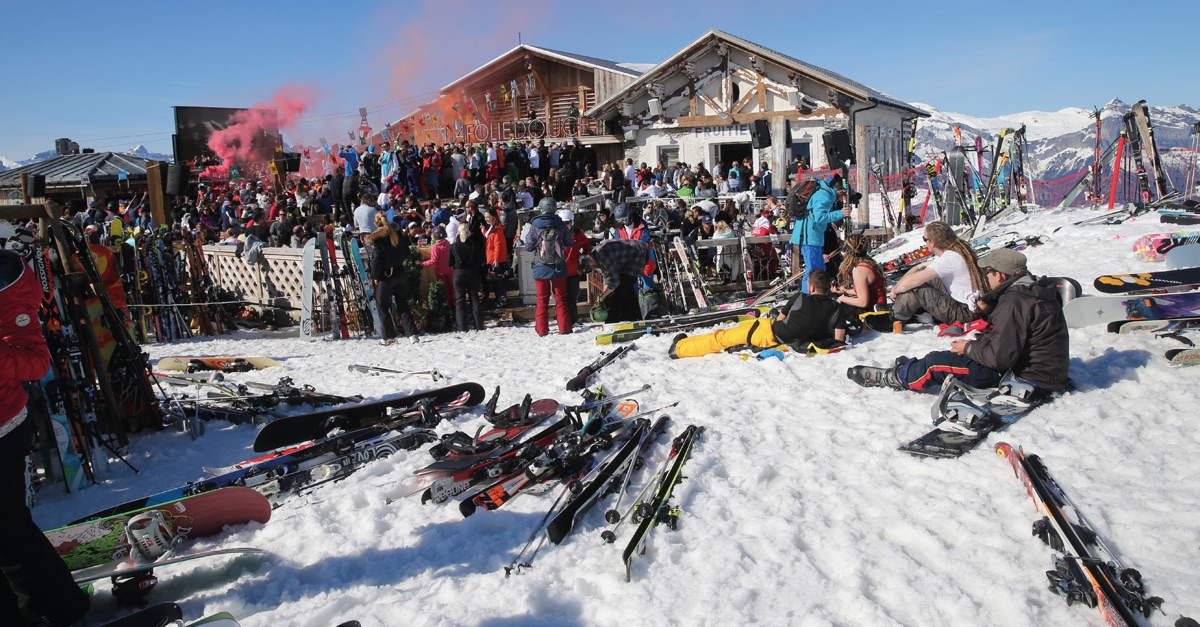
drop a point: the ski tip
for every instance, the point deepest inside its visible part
(1004, 449)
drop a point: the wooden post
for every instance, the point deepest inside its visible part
(25, 188)
(863, 183)
(158, 197)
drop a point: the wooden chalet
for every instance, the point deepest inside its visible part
(700, 104)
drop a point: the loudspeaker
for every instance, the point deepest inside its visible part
(631, 136)
(787, 133)
(37, 185)
(760, 134)
(793, 97)
(177, 179)
(655, 107)
(291, 161)
(837, 148)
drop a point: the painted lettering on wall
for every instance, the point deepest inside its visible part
(731, 130)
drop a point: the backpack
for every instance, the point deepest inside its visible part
(798, 197)
(550, 250)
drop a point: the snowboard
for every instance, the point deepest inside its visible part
(222, 619)
(944, 443)
(251, 473)
(222, 364)
(159, 615)
(1088, 310)
(1165, 325)
(307, 267)
(1180, 280)
(1153, 246)
(1183, 356)
(298, 428)
(103, 540)
(1183, 257)
(120, 568)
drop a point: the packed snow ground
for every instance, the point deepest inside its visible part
(797, 510)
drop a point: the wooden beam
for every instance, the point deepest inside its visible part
(741, 104)
(22, 212)
(762, 94)
(154, 188)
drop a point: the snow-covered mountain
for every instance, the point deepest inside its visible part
(134, 151)
(141, 151)
(1060, 142)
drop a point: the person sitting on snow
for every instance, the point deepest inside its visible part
(1028, 336)
(940, 287)
(806, 318)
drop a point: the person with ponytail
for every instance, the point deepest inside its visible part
(861, 285)
(944, 286)
(389, 250)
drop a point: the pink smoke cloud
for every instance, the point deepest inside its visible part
(242, 142)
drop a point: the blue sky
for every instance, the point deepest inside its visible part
(114, 75)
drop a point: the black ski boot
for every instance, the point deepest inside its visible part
(870, 377)
(671, 351)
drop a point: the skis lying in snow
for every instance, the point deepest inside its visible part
(579, 381)
(377, 370)
(1087, 571)
(648, 514)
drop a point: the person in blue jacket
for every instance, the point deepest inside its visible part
(808, 232)
(351, 156)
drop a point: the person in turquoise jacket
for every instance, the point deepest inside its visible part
(808, 233)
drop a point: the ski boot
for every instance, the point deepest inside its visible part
(871, 377)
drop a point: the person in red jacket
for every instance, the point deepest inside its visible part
(581, 246)
(35, 584)
(496, 252)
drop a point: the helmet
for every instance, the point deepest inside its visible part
(621, 213)
(599, 313)
(566, 215)
(547, 206)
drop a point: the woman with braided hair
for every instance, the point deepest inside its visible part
(861, 285)
(944, 286)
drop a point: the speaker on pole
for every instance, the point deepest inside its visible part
(837, 148)
(37, 185)
(177, 179)
(787, 133)
(291, 161)
(760, 134)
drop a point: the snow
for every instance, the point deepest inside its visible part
(797, 508)
(1039, 124)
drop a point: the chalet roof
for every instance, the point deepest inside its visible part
(69, 169)
(632, 70)
(833, 79)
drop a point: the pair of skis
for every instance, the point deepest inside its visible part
(1086, 570)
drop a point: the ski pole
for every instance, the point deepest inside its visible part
(613, 515)
(600, 402)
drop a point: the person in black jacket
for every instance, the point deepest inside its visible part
(467, 259)
(1028, 337)
(389, 251)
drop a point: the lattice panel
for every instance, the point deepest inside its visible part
(277, 279)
